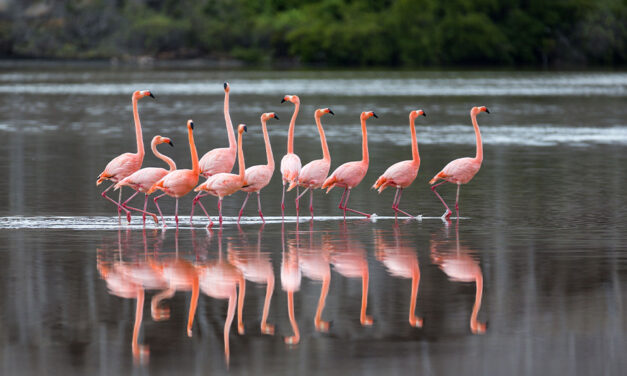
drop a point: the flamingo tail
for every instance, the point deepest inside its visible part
(157, 185)
(440, 175)
(380, 184)
(293, 185)
(329, 183)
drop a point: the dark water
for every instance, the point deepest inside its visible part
(543, 233)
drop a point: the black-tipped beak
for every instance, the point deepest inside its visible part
(171, 143)
(283, 100)
(226, 84)
(152, 96)
(276, 117)
(331, 112)
(424, 114)
(375, 115)
(191, 124)
(245, 128)
(487, 111)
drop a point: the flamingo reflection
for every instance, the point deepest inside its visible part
(256, 267)
(290, 282)
(349, 259)
(402, 262)
(220, 280)
(315, 265)
(459, 266)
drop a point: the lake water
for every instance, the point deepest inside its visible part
(531, 280)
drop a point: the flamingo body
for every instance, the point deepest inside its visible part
(398, 175)
(459, 171)
(217, 161)
(142, 180)
(257, 177)
(314, 173)
(290, 167)
(348, 175)
(121, 167)
(221, 185)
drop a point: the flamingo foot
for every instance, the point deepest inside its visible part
(292, 340)
(128, 216)
(240, 329)
(189, 332)
(480, 328)
(322, 326)
(416, 322)
(261, 215)
(267, 329)
(447, 214)
(367, 321)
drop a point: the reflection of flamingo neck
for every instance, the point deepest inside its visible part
(477, 306)
(290, 310)
(139, 313)
(227, 324)
(193, 303)
(415, 284)
(290, 132)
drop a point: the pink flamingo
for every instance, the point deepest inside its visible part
(257, 177)
(143, 179)
(312, 175)
(402, 174)
(219, 160)
(402, 262)
(179, 182)
(225, 184)
(459, 266)
(462, 170)
(350, 174)
(290, 164)
(125, 164)
(290, 282)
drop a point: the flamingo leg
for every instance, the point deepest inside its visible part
(414, 320)
(204, 210)
(265, 327)
(259, 206)
(322, 326)
(448, 211)
(363, 318)
(158, 208)
(118, 204)
(240, 306)
(193, 303)
(241, 211)
(176, 212)
(194, 202)
(299, 195)
(342, 200)
(293, 340)
(138, 350)
(457, 200)
(220, 210)
(227, 324)
(154, 217)
(398, 202)
(283, 203)
(346, 208)
(394, 204)
(311, 203)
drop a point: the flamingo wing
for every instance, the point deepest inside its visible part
(257, 177)
(461, 170)
(350, 174)
(399, 174)
(217, 161)
(290, 167)
(120, 167)
(143, 179)
(314, 173)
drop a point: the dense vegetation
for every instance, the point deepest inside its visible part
(327, 32)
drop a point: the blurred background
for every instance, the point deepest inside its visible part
(335, 33)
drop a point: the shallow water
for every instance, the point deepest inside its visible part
(542, 228)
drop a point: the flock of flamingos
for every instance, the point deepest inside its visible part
(216, 165)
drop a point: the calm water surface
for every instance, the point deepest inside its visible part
(532, 280)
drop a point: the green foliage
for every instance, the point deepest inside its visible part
(326, 32)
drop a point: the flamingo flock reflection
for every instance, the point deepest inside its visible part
(220, 264)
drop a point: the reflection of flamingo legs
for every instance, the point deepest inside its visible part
(265, 327)
(290, 309)
(321, 325)
(227, 325)
(363, 318)
(414, 320)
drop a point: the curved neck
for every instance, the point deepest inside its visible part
(229, 123)
(240, 157)
(415, 156)
(479, 156)
(290, 132)
(323, 140)
(138, 130)
(364, 142)
(266, 139)
(164, 158)
(194, 153)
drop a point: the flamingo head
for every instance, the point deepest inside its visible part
(416, 113)
(322, 111)
(242, 128)
(269, 115)
(477, 110)
(291, 98)
(227, 87)
(368, 114)
(162, 140)
(142, 93)
(190, 125)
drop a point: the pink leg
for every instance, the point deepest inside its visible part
(398, 202)
(457, 200)
(311, 203)
(298, 202)
(394, 204)
(243, 205)
(346, 208)
(342, 200)
(220, 210)
(259, 206)
(448, 211)
(176, 212)
(204, 210)
(120, 208)
(194, 202)
(154, 217)
(283, 203)
(145, 207)
(158, 208)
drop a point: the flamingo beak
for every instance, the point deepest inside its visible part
(331, 112)
(151, 96)
(424, 114)
(171, 143)
(245, 128)
(283, 100)
(276, 117)
(486, 110)
(375, 115)
(226, 84)
(191, 124)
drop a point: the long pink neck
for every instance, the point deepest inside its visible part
(414, 143)
(240, 157)
(192, 148)
(266, 139)
(290, 132)
(138, 130)
(229, 124)
(164, 158)
(323, 140)
(364, 143)
(479, 156)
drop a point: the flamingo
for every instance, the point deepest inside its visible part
(179, 182)
(350, 174)
(143, 179)
(459, 266)
(462, 170)
(312, 175)
(125, 164)
(257, 177)
(290, 164)
(290, 282)
(402, 174)
(219, 160)
(225, 184)
(402, 262)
